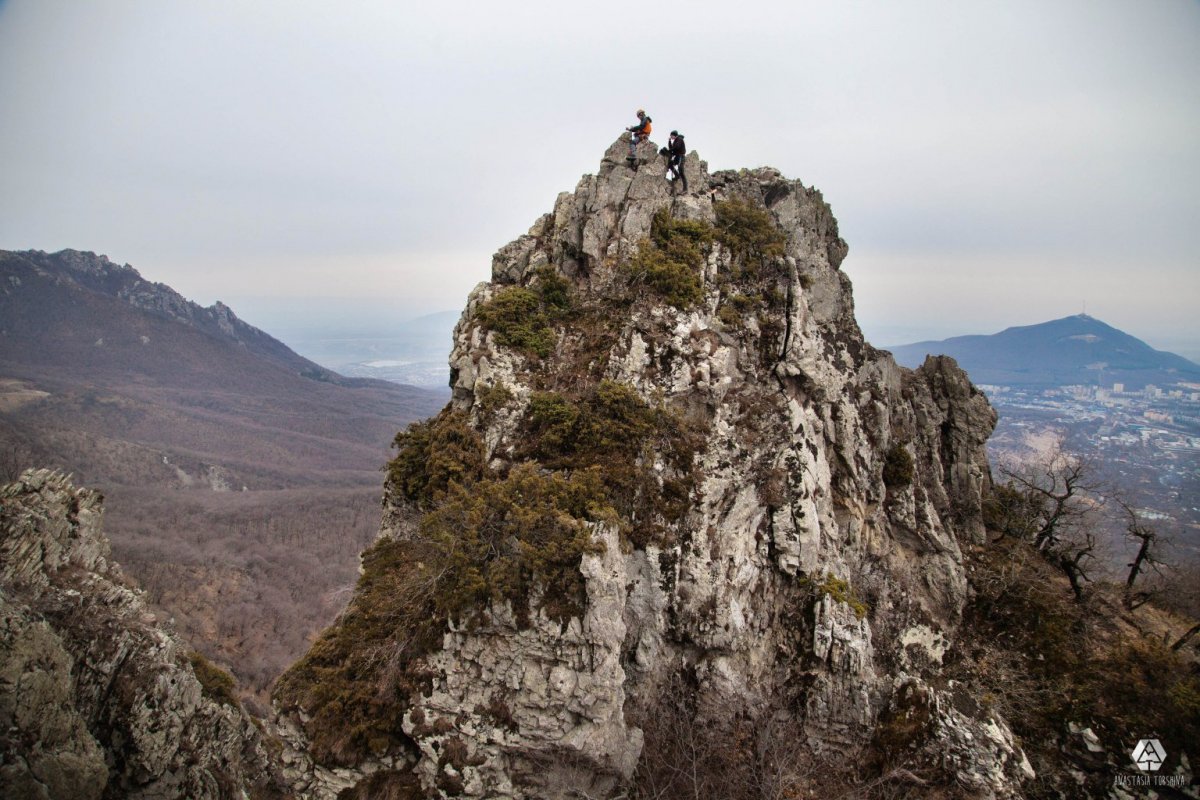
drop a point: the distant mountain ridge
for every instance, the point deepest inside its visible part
(89, 272)
(132, 360)
(1073, 350)
(242, 479)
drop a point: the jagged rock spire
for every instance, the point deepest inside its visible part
(777, 509)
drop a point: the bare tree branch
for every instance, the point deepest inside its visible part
(1147, 555)
(1186, 637)
(1059, 493)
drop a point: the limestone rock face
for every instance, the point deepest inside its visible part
(96, 700)
(818, 566)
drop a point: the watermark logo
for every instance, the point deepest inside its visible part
(1149, 755)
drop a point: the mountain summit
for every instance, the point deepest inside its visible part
(677, 508)
(1072, 350)
(90, 346)
(78, 311)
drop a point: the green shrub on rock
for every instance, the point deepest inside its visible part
(839, 589)
(553, 290)
(500, 539)
(433, 454)
(355, 681)
(669, 261)
(610, 429)
(490, 399)
(505, 538)
(523, 317)
(755, 281)
(897, 467)
(215, 683)
(515, 314)
(748, 232)
(735, 307)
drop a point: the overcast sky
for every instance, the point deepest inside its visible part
(990, 163)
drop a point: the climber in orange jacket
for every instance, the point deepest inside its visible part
(640, 132)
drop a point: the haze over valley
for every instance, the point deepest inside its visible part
(240, 494)
(413, 351)
(242, 480)
(614, 400)
(1101, 394)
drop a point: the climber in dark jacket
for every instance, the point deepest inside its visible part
(640, 132)
(676, 149)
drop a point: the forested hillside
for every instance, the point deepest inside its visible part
(241, 479)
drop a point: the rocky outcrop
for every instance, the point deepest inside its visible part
(97, 700)
(100, 274)
(24, 276)
(792, 551)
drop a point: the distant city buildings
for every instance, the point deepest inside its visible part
(1148, 439)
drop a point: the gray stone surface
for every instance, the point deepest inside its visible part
(828, 407)
(799, 588)
(96, 700)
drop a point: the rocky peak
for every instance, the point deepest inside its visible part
(674, 494)
(99, 274)
(88, 263)
(27, 272)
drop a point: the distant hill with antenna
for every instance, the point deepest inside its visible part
(1073, 350)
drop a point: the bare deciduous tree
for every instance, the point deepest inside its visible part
(1182, 640)
(740, 753)
(1054, 504)
(1071, 553)
(1062, 492)
(1147, 557)
(14, 459)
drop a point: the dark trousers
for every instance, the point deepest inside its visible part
(675, 167)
